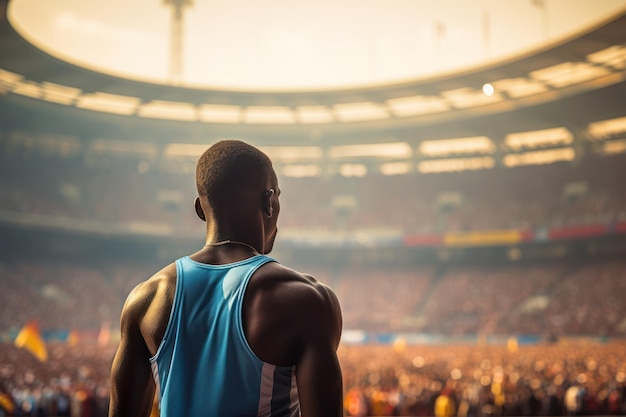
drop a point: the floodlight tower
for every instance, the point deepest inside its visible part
(176, 37)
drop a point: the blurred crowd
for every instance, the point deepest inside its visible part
(559, 195)
(74, 382)
(480, 381)
(573, 379)
(557, 298)
(589, 192)
(547, 299)
(64, 295)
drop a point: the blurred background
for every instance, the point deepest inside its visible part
(454, 170)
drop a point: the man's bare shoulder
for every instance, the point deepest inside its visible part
(298, 294)
(280, 278)
(146, 290)
(158, 288)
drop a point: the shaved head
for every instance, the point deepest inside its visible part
(230, 166)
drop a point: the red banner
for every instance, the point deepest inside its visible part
(578, 232)
(423, 240)
(620, 227)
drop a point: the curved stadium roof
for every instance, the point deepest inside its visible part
(590, 64)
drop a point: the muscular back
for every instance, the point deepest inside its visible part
(288, 319)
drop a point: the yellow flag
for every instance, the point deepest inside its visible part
(30, 339)
(6, 403)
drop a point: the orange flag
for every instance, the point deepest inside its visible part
(72, 338)
(6, 403)
(30, 339)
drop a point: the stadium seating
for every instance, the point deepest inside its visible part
(522, 198)
(379, 380)
(557, 298)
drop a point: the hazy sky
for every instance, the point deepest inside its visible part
(290, 44)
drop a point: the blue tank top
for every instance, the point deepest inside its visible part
(204, 365)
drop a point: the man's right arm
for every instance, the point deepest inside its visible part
(132, 385)
(320, 385)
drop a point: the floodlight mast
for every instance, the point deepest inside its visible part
(177, 22)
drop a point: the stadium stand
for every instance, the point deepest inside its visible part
(475, 380)
(520, 198)
(487, 278)
(556, 298)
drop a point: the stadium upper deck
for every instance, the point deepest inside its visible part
(555, 104)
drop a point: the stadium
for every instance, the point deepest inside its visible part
(472, 220)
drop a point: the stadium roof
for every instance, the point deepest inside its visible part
(587, 63)
(282, 45)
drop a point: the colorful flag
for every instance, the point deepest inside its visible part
(72, 338)
(6, 403)
(30, 339)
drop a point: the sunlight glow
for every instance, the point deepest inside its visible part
(286, 45)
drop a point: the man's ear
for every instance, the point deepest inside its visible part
(199, 210)
(268, 204)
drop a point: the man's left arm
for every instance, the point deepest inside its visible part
(318, 373)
